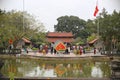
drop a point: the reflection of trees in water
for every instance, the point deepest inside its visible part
(10, 66)
(19, 67)
(87, 70)
(77, 70)
(96, 70)
(105, 67)
(102, 69)
(60, 70)
(26, 66)
(22, 67)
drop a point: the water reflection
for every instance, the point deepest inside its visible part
(36, 68)
(96, 70)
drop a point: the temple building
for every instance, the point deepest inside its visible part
(23, 42)
(66, 37)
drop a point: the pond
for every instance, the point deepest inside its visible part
(61, 69)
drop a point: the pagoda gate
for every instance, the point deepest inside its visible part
(65, 37)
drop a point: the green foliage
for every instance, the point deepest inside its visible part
(91, 27)
(11, 75)
(109, 28)
(72, 24)
(12, 27)
(39, 38)
(78, 41)
(92, 37)
(34, 48)
(15, 25)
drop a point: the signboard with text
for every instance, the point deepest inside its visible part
(59, 46)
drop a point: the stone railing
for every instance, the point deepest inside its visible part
(111, 53)
(115, 67)
(10, 51)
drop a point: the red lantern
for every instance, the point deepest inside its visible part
(10, 41)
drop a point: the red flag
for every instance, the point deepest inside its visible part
(96, 10)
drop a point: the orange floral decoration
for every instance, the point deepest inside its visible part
(60, 70)
(60, 47)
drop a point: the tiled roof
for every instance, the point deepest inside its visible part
(59, 34)
(61, 39)
(26, 40)
(93, 41)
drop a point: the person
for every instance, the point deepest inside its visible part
(69, 50)
(52, 48)
(66, 51)
(81, 50)
(11, 46)
(55, 51)
(100, 50)
(43, 51)
(84, 50)
(40, 48)
(24, 47)
(46, 49)
(94, 50)
(78, 49)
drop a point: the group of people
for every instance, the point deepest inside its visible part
(79, 50)
(76, 49)
(69, 49)
(51, 49)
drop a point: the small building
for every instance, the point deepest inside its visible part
(66, 37)
(23, 42)
(92, 42)
(96, 43)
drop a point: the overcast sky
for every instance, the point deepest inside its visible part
(47, 11)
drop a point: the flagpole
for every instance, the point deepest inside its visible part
(23, 15)
(98, 32)
(98, 22)
(95, 13)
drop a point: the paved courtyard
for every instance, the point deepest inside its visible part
(31, 53)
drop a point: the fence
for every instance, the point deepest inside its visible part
(9, 51)
(111, 53)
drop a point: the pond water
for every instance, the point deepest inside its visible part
(64, 69)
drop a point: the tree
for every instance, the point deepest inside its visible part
(91, 27)
(109, 26)
(16, 24)
(92, 37)
(109, 29)
(78, 41)
(72, 24)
